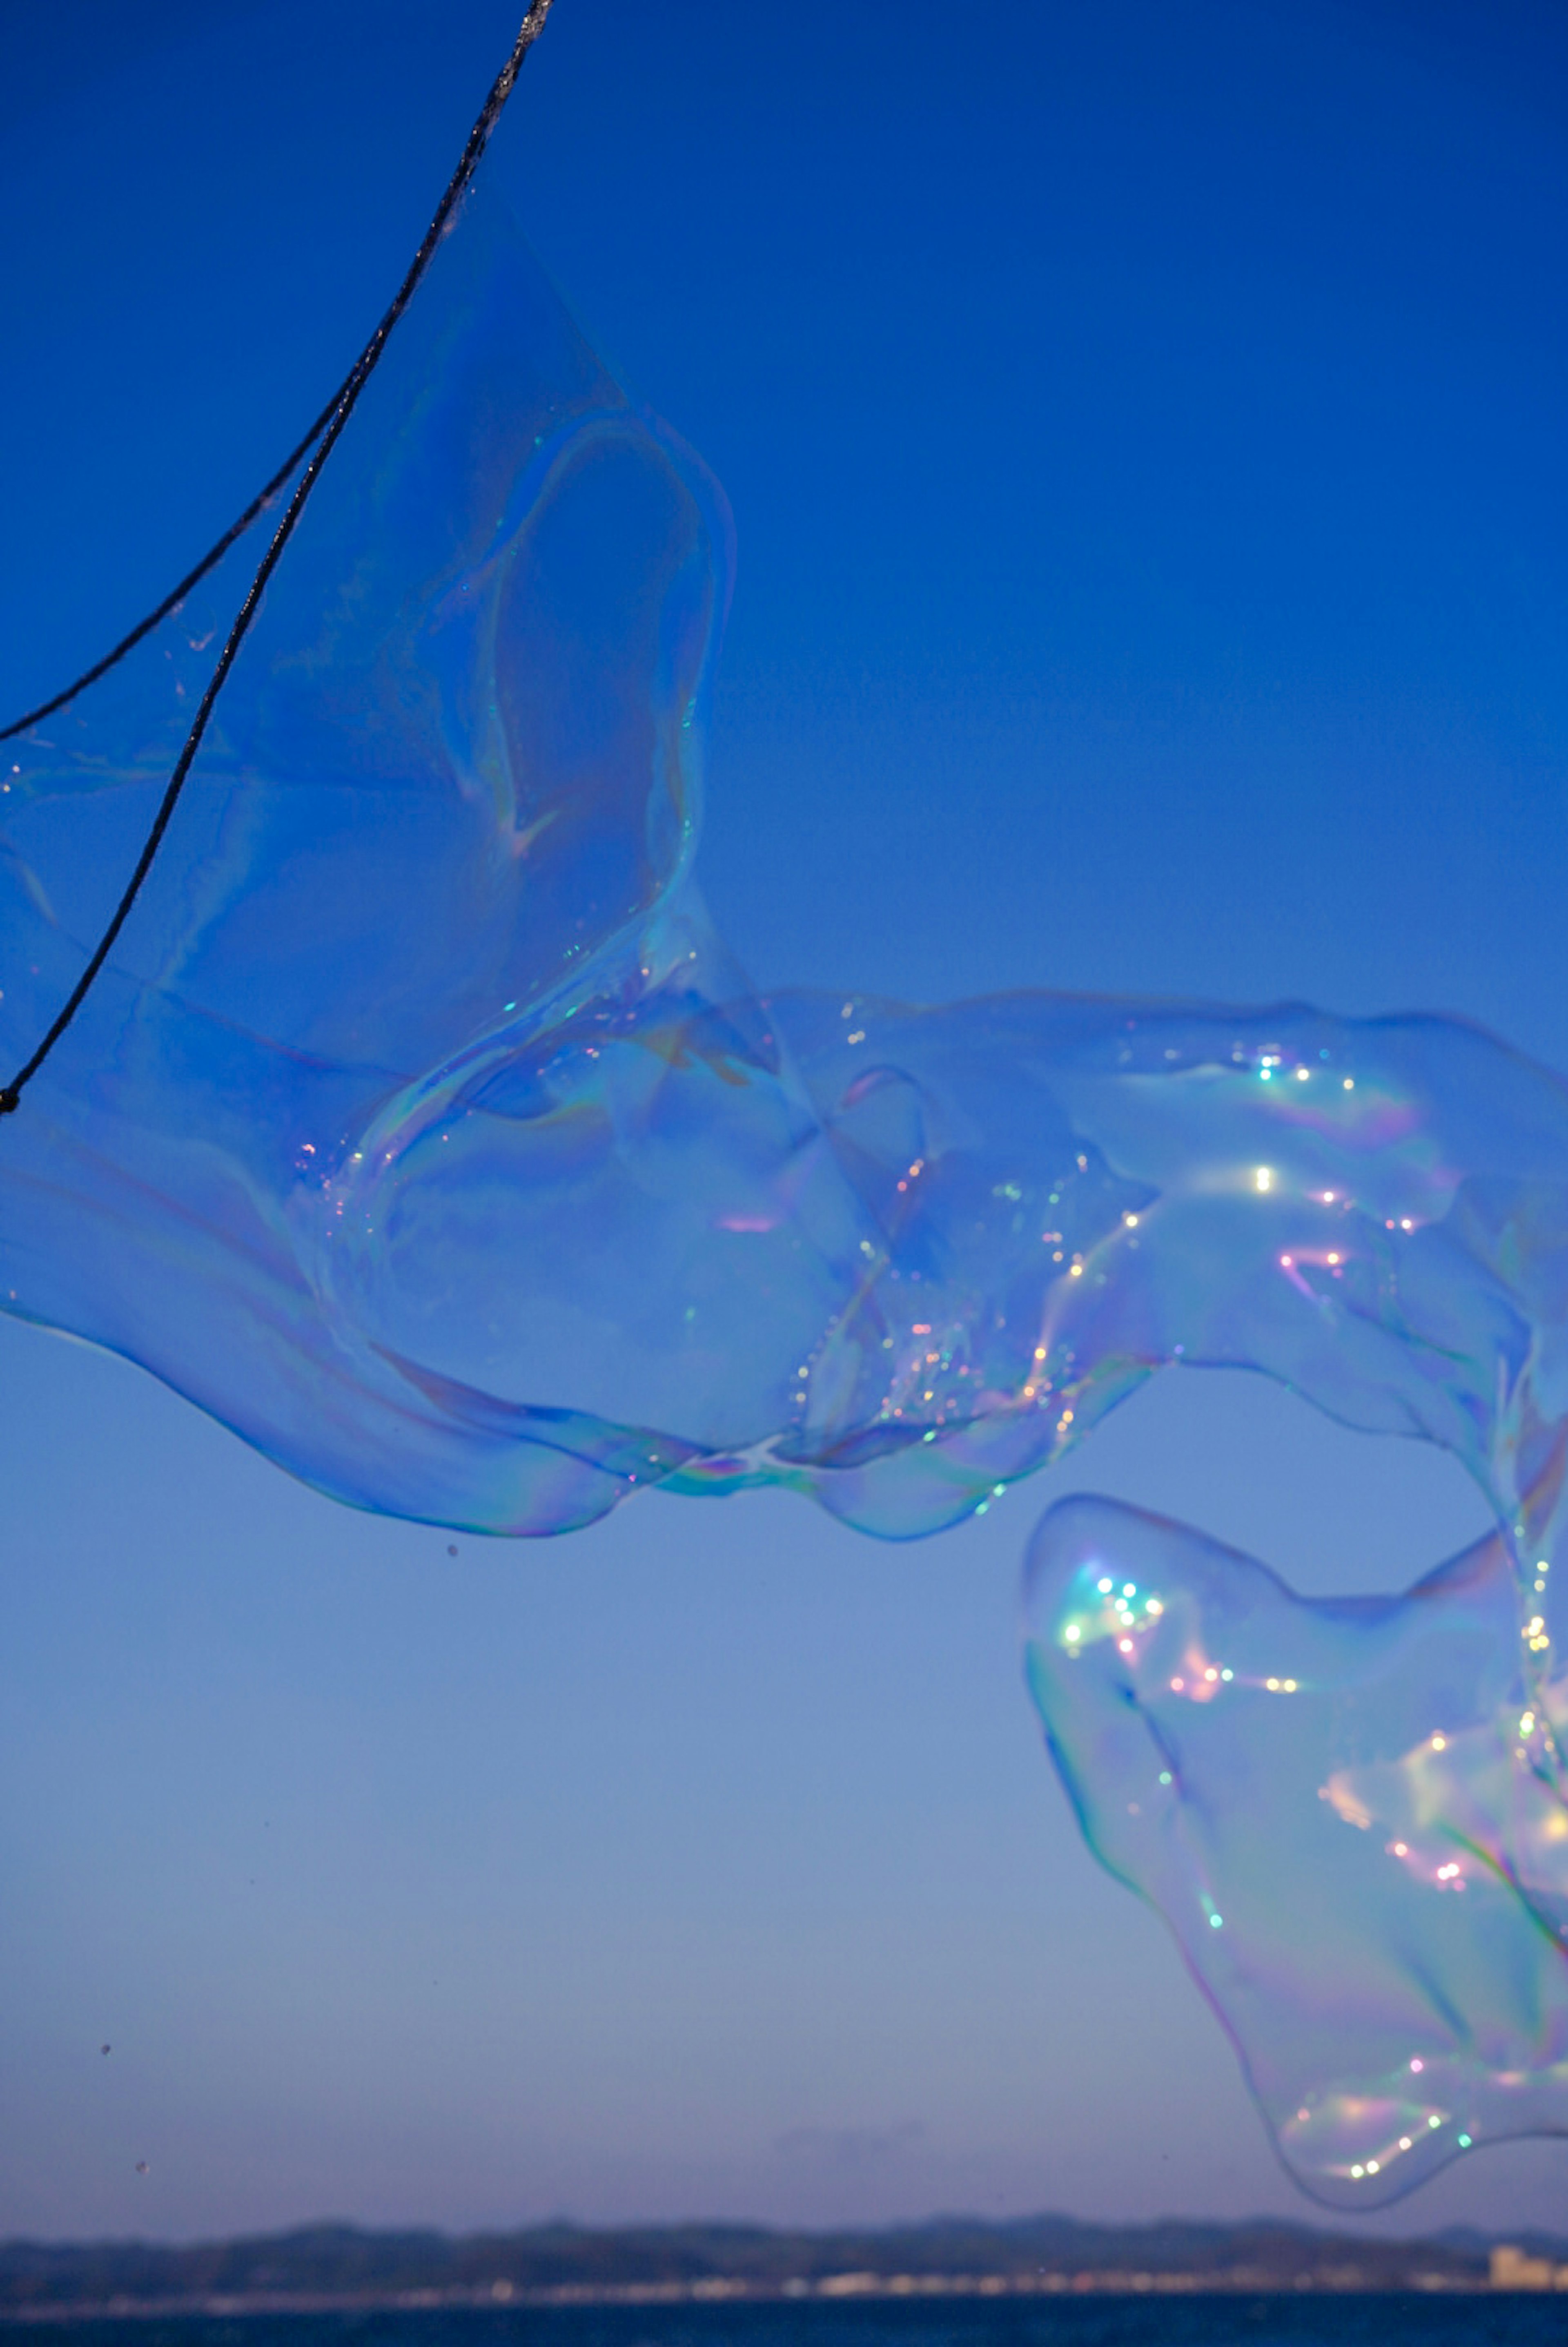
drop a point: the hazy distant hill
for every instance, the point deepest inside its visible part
(342, 2263)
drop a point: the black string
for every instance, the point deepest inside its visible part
(177, 595)
(326, 430)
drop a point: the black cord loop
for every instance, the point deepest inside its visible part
(323, 437)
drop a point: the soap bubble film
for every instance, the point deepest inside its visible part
(423, 1130)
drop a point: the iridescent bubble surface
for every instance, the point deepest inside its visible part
(424, 1131)
(1350, 1812)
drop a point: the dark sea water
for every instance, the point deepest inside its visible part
(1387, 2319)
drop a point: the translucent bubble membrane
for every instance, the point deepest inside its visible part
(423, 1131)
(1350, 1812)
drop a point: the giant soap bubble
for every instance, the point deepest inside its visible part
(422, 1129)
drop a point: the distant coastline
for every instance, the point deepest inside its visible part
(328, 2269)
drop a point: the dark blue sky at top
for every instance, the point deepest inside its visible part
(1143, 430)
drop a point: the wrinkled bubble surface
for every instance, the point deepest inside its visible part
(1351, 1813)
(422, 1129)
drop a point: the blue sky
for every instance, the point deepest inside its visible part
(1141, 430)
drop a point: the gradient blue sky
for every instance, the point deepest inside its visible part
(1143, 430)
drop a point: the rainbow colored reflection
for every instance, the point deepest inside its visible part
(1351, 1813)
(423, 1130)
